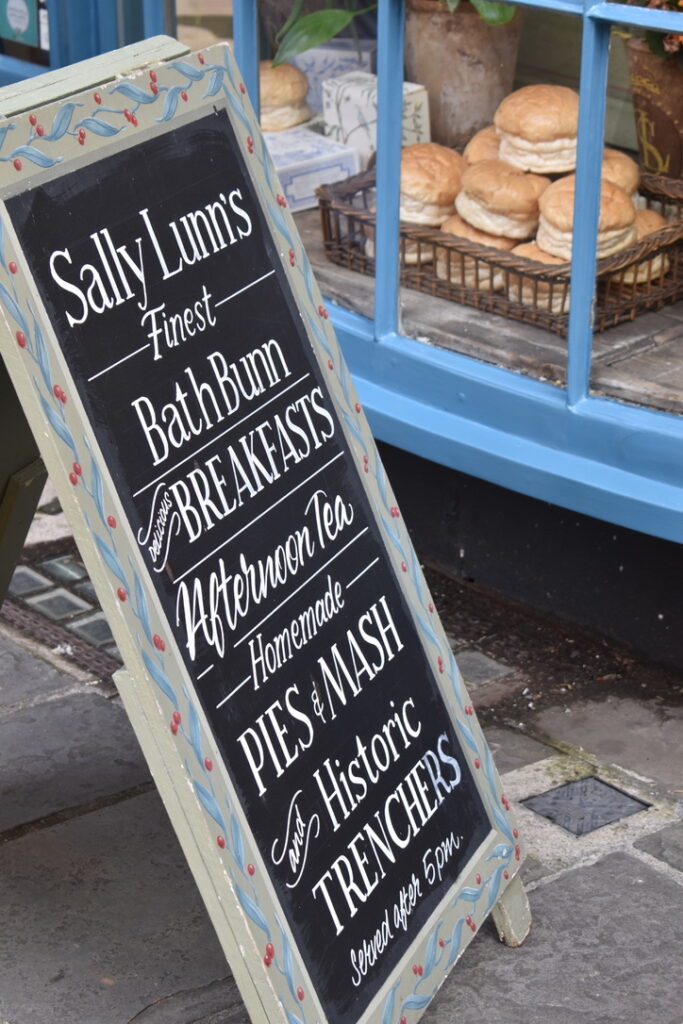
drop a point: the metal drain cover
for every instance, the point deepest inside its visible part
(584, 805)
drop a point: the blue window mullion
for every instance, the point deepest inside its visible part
(389, 122)
(245, 31)
(592, 102)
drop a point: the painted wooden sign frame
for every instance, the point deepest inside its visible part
(96, 121)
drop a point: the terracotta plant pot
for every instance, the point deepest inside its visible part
(657, 90)
(466, 66)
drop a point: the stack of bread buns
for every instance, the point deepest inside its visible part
(282, 91)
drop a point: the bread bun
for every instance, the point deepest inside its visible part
(453, 266)
(616, 225)
(530, 291)
(621, 170)
(647, 221)
(483, 146)
(537, 126)
(282, 91)
(430, 180)
(500, 199)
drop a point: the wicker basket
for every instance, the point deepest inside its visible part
(500, 282)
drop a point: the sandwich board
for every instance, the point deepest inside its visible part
(285, 669)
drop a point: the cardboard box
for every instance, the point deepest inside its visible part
(304, 159)
(331, 60)
(350, 112)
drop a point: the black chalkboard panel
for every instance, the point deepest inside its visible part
(177, 322)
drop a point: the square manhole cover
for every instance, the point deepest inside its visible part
(584, 805)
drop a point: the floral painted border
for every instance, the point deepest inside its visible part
(99, 116)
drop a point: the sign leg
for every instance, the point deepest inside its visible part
(512, 914)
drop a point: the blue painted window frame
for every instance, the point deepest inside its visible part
(614, 461)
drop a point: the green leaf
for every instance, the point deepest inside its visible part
(452, 5)
(493, 13)
(293, 16)
(312, 30)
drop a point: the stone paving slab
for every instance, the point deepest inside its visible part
(641, 736)
(477, 669)
(666, 845)
(65, 753)
(100, 918)
(23, 677)
(513, 749)
(605, 948)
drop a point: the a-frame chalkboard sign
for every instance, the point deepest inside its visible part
(286, 673)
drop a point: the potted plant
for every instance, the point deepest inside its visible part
(656, 72)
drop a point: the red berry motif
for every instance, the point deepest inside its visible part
(120, 593)
(221, 842)
(12, 267)
(267, 960)
(183, 96)
(154, 88)
(243, 88)
(153, 76)
(77, 468)
(251, 870)
(270, 950)
(21, 339)
(208, 764)
(478, 879)
(158, 642)
(281, 201)
(32, 119)
(469, 710)
(200, 58)
(404, 567)
(477, 763)
(515, 833)
(300, 994)
(17, 164)
(57, 391)
(134, 120)
(73, 478)
(111, 521)
(365, 463)
(506, 874)
(395, 514)
(439, 662)
(127, 114)
(40, 131)
(250, 144)
(176, 717)
(403, 1020)
(357, 406)
(174, 728)
(442, 943)
(292, 258)
(330, 364)
(468, 921)
(420, 970)
(430, 608)
(97, 98)
(518, 851)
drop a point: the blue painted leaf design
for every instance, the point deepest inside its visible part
(3, 132)
(193, 73)
(494, 887)
(502, 850)
(292, 1017)
(35, 156)
(469, 739)
(501, 822)
(430, 953)
(415, 1002)
(142, 608)
(469, 894)
(133, 92)
(41, 350)
(58, 425)
(210, 805)
(160, 678)
(97, 127)
(111, 559)
(455, 942)
(287, 961)
(215, 84)
(252, 910)
(388, 1012)
(196, 736)
(12, 308)
(98, 490)
(170, 103)
(237, 844)
(61, 123)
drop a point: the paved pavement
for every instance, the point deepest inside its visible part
(100, 921)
